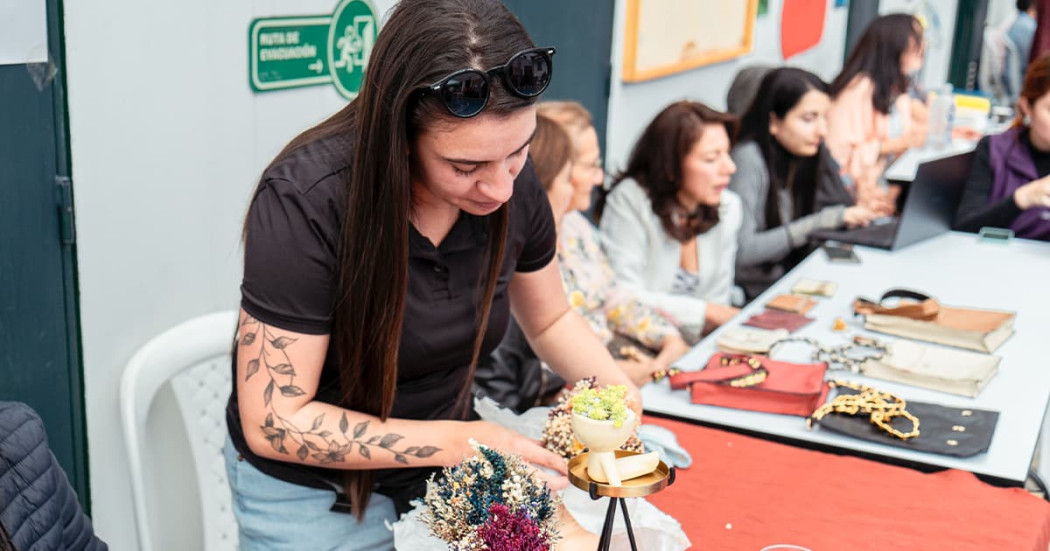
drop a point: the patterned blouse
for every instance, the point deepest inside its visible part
(593, 291)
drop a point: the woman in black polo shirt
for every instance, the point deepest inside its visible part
(383, 253)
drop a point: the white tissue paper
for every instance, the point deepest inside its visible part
(653, 530)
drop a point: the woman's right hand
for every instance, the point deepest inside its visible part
(505, 440)
(1033, 194)
(858, 216)
(877, 201)
(718, 314)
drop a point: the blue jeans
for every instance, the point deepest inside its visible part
(274, 514)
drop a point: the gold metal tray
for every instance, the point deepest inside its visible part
(642, 486)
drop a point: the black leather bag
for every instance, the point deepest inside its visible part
(958, 432)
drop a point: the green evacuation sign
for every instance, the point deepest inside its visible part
(292, 52)
(289, 52)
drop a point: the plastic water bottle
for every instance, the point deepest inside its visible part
(942, 117)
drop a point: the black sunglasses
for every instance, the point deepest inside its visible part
(465, 92)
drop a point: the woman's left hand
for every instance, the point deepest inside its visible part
(639, 371)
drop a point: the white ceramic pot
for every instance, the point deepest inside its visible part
(601, 439)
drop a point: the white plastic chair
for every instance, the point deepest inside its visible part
(195, 358)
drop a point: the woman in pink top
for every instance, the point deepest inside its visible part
(874, 80)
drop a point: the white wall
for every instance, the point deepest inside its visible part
(633, 105)
(167, 143)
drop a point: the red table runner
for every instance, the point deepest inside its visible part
(746, 493)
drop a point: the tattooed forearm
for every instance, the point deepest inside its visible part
(326, 445)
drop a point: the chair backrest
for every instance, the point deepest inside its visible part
(195, 358)
(744, 87)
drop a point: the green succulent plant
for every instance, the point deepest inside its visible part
(605, 404)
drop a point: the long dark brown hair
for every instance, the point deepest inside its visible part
(421, 42)
(780, 91)
(656, 165)
(877, 55)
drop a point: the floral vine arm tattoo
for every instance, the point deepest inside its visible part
(322, 443)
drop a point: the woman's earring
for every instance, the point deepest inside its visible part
(1026, 120)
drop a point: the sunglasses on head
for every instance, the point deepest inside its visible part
(465, 92)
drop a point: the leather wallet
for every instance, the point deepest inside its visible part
(792, 303)
(777, 319)
(815, 287)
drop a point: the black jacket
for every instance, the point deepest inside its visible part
(38, 507)
(513, 375)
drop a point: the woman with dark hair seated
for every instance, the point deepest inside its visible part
(785, 194)
(1009, 183)
(670, 225)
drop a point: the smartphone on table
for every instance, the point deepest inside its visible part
(840, 252)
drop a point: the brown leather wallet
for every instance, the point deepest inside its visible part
(792, 303)
(778, 319)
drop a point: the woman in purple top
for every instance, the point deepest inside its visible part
(1009, 183)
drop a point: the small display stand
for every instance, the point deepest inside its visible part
(642, 486)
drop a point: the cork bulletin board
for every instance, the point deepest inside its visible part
(663, 37)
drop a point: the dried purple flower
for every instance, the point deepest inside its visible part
(507, 531)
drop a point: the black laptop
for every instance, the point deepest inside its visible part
(929, 208)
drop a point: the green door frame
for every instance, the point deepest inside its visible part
(966, 43)
(41, 357)
(71, 291)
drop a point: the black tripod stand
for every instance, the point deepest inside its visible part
(610, 514)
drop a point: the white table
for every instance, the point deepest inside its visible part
(959, 271)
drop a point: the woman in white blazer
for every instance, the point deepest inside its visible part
(670, 224)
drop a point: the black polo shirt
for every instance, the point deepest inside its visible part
(290, 281)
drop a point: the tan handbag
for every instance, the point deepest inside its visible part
(924, 319)
(943, 369)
